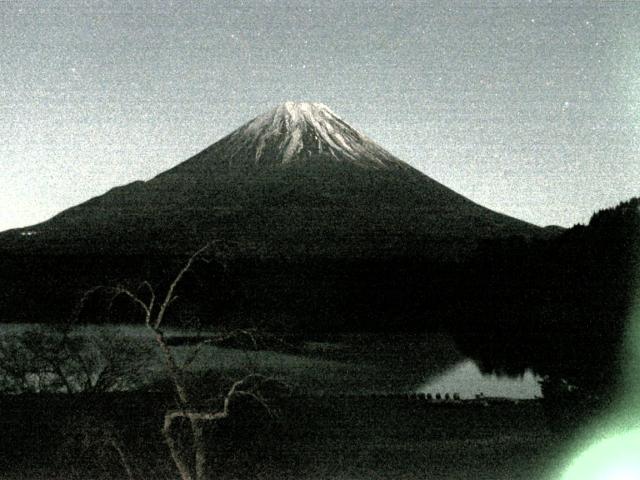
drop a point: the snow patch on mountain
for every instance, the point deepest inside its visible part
(295, 132)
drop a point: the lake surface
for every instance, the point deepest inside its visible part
(467, 380)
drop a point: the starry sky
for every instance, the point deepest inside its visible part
(531, 108)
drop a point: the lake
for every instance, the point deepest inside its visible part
(467, 380)
(352, 364)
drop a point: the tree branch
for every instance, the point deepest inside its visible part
(169, 297)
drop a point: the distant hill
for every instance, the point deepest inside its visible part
(296, 185)
(562, 306)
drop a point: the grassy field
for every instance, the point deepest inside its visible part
(327, 437)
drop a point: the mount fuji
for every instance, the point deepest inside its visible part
(295, 181)
(294, 186)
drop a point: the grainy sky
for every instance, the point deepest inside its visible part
(529, 108)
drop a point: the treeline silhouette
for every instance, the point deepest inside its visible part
(559, 306)
(317, 295)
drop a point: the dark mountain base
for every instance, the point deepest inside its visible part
(318, 295)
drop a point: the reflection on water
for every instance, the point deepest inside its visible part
(353, 364)
(467, 380)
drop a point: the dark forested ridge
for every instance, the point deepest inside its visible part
(560, 306)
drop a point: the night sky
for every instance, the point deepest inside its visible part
(528, 108)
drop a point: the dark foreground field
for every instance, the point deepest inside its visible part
(85, 436)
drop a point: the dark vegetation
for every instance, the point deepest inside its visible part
(321, 295)
(560, 306)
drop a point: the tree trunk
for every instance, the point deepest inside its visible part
(177, 456)
(200, 449)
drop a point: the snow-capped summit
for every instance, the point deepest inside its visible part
(302, 133)
(295, 181)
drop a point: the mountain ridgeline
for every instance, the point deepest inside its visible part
(294, 182)
(322, 227)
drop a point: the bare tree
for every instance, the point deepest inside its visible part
(55, 360)
(190, 460)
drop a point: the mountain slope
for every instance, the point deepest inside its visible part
(294, 182)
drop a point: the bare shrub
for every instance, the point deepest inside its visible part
(189, 453)
(49, 359)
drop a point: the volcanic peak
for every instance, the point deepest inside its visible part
(295, 132)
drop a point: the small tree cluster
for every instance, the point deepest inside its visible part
(56, 360)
